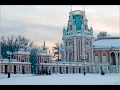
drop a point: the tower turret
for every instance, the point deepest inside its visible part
(21, 46)
(44, 48)
(91, 30)
(64, 31)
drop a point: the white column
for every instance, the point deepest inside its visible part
(68, 69)
(75, 55)
(12, 67)
(65, 69)
(3, 68)
(17, 68)
(51, 69)
(20, 68)
(55, 69)
(64, 51)
(75, 69)
(99, 69)
(93, 67)
(58, 69)
(0, 50)
(117, 64)
(86, 68)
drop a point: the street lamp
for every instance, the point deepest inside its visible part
(83, 58)
(9, 57)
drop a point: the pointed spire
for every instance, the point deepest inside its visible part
(71, 13)
(84, 8)
(91, 26)
(64, 26)
(71, 8)
(44, 43)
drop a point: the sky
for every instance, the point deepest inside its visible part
(61, 79)
(41, 23)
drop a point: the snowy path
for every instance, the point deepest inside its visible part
(61, 79)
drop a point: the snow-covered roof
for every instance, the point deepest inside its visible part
(107, 43)
(68, 64)
(21, 52)
(45, 54)
(111, 36)
(13, 61)
(8, 59)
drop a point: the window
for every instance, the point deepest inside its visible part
(70, 43)
(70, 57)
(45, 61)
(104, 59)
(96, 59)
(85, 27)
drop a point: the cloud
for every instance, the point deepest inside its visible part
(42, 23)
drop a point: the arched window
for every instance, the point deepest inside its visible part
(112, 59)
(96, 58)
(70, 57)
(119, 58)
(104, 58)
(22, 59)
(70, 43)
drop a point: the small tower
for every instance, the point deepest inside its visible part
(91, 30)
(102, 35)
(21, 47)
(44, 48)
(64, 31)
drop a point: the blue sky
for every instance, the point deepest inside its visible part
(41, 23)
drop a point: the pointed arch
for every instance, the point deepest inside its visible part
(88, 56)
(97, 57)
(112, 58)
(118, 54)
(70, 56)
(104, 57)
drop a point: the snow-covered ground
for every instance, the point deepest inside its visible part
(61, 79)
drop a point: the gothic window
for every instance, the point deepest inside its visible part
(87, 43)
(85, 27)
(70, 43)
(70, 57)
(22, 59)
(96, 58)
(104, 59)
(45, 61)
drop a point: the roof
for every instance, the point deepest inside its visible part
(45, 54)
(21, 52)
(107, 42)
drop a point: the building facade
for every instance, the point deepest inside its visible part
(19, 64)
(79, 51)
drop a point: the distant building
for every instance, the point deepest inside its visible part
(20, 63)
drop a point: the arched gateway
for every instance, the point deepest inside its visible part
(34, 53)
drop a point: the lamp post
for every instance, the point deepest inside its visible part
(83, 58)
(9, 57)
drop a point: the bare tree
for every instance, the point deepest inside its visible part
(11, 43)
(56, 51)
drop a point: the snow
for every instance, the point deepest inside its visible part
(21, 52)
(107, 42)
(61, 79)
(45, 54)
